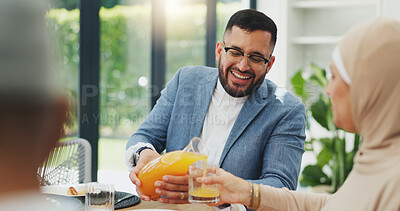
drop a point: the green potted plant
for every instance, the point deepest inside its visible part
(332, 154)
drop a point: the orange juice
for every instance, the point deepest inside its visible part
(204, 195)
(205, 192)
(173, 163)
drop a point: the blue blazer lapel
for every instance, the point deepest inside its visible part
(202, 96)
(249, 111)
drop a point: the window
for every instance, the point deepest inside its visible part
(124, 78)
(63, 23)
(225, 9)
(185, 34)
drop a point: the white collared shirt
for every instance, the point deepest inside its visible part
(221, 116)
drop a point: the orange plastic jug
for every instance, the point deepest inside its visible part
(172, 163)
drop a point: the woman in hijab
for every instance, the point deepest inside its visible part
(365, 95)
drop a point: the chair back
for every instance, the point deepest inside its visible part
(68, 163)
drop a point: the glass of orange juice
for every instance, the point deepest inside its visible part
(200, 193)
(172, 163)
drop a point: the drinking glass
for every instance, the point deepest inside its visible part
(99, 197)
(200, 193)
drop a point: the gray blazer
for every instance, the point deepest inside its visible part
(266, 142)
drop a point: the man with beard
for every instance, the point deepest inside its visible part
(252, 128)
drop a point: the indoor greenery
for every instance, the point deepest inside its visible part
(334, 163)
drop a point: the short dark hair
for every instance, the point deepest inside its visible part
(251, 20)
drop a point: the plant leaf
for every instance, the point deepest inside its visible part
(319, 110)
(327, 143)
(298, 84)
(319, 76)
(324, 156)
(338, 157)
(313, 175)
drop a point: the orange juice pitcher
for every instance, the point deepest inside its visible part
(172, 163)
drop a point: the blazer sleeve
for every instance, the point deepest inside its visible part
(154, 129)
(284, 150)
(284, 199)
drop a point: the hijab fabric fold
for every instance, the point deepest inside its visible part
(371, 55)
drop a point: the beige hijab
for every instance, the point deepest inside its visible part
(369, 58)
(371, 55)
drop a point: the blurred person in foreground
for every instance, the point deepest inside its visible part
(364, 90)
(31, 112)
(251, 127)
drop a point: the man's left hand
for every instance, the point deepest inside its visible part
(174, 189)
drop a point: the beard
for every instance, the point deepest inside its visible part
(234, 90)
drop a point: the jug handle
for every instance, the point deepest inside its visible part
(190, 146)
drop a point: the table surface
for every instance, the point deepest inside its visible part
(158, 205)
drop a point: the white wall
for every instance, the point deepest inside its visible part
(391, 9)
(276, 10)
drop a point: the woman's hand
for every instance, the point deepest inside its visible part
(232, 189)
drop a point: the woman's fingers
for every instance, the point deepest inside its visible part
(210, 180)
(212, 170)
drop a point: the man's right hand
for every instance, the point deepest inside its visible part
(145, 156)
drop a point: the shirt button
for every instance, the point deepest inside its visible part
(226, 108)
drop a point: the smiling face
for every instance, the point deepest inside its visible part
(339, 92)
(239, 79)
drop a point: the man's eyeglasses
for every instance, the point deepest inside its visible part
(256, 62)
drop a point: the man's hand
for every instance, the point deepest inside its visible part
(174, 188)
(146, 156)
